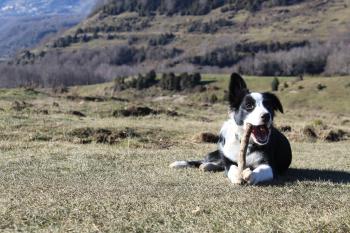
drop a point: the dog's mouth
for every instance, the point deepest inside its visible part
(261, 134)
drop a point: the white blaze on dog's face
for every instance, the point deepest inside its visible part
(259, 114)
(254, 108)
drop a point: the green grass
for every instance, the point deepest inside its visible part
(51, 182)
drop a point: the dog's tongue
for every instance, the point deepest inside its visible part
(261, 132)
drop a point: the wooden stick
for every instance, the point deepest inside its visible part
(243, 150)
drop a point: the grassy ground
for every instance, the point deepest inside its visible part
(53, 178)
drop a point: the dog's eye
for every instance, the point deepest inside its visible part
(249, 106)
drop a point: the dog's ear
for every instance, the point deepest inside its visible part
(237, 90)
(274, 101)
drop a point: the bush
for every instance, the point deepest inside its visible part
(274, 84)
(320, 87)
(170, 81)
(162, 39)
(139, 83)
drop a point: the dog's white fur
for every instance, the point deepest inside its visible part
(231, 132)
(178, 164)
(260, 174)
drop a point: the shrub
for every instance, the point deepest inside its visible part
(140, 82)
(162, 39)
(274, 84)
(170, 81)
(320, 87)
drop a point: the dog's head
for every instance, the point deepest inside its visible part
(258, 109)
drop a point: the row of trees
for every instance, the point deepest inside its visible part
(140, 82)
(121, 25)
(185, 7)
(168, 81)
(280, 59)
(172, 82)
(330, 59)
(168, 7)
(85, 66)
(68, 40)
(228, 56)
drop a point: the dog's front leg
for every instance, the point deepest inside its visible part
(260, 174)
(233, 175)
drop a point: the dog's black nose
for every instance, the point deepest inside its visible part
(266, 117)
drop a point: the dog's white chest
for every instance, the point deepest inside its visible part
(231, 150)
(231, 146)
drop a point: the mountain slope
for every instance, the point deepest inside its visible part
(255, 37)
(42, 7)
(27, 23)
(303, 21)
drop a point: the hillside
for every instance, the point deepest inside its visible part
(196, 34)
(197, 37)
(26, 32)
(262, 37)
(43, 7)
(27, 23)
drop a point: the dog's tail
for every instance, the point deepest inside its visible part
(186, 164)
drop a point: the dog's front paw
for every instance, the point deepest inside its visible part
(248, 176)
(234, 176)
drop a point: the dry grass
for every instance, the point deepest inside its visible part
(49, 182)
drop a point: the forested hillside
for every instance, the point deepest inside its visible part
(125, 37)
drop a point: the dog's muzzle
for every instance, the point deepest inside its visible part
(261, 134)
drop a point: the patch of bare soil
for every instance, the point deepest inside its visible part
(150, 138)
(20, 105)
(142, 111)
(77, 113)
(94, 98)
(312, 133)
(101, 135)
(206, 137)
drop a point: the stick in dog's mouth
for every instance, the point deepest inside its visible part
(243, 150)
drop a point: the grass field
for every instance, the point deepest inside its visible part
(63, 173)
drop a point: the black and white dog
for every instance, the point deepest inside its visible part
(269, 153)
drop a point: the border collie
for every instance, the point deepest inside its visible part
(269, 153)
